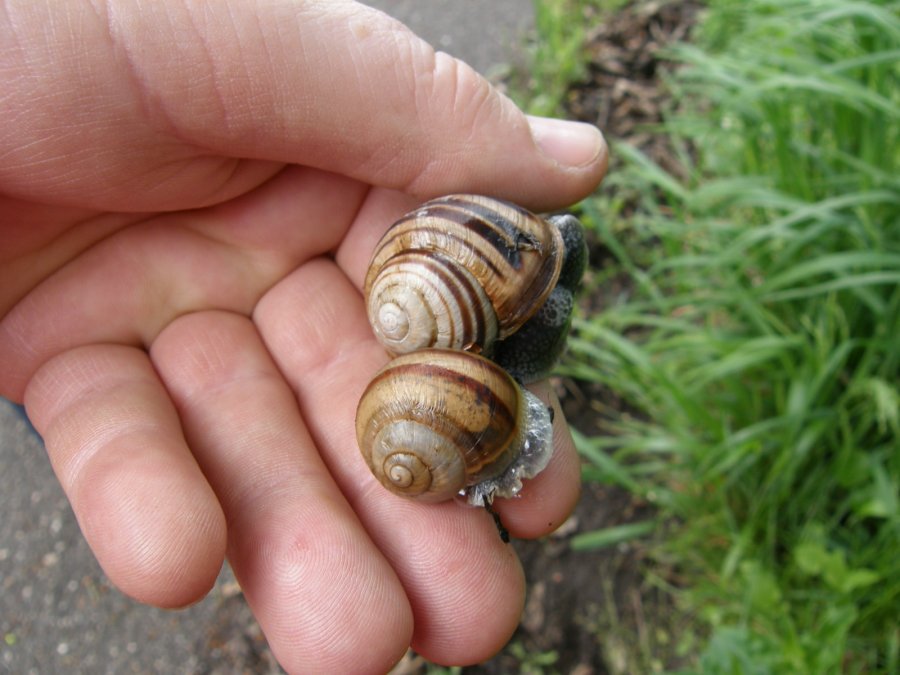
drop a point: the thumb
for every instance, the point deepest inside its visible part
(335, 85)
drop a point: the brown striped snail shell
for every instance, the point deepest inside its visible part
(438, 423)
(461, 272)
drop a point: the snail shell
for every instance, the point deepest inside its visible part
(460, 272)
(438, 422)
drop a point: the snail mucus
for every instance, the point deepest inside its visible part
(473, 297)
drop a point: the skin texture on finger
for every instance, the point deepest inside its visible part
(40, 239)
(464, 584)
(551, 496)
(378, 212)
(114, 441)
(77, 131)
(307, 567)
(132, 283)
(183, 104)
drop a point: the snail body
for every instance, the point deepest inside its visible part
(437, 423)
(533, 350)
(461, 272)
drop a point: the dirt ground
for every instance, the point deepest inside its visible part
(593, 612)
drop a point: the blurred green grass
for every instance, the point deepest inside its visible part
(757, 345)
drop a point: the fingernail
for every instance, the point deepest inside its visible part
(571, 144)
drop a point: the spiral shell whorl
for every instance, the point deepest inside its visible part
(422, 299)
(486, 267)
(433, 422)
(415, 461)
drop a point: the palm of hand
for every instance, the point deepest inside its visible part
(172, 351)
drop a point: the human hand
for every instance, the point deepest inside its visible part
(189, 195)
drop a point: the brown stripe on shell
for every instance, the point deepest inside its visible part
(443, 273)
(432, 318)
(445, 270)
(456, 284)
(480, 391)
(427, 387)
(513, 254)
(411, 234)
(505, 233)
(473, 329)
(487, 226)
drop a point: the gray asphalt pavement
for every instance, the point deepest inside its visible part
(483, 33)
(58, 612)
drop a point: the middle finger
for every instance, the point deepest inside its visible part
(309, 571)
